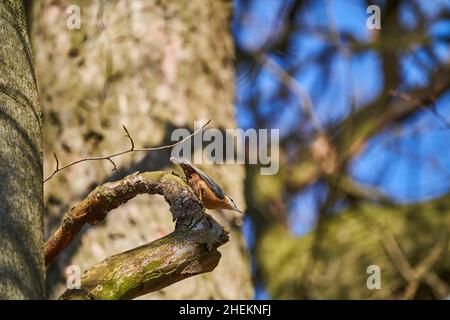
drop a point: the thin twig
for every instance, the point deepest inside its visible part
(129, 137)
(131, 149)
(114, 165)
(57, 161)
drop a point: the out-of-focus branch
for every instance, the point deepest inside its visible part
(422, 272)
(110, 157)
(359, 231)
(353, 133)
(292, 84)
(188, 251)
(374, 118)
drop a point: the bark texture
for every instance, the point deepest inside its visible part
(153, 66)
(148, 268)
(21, 199)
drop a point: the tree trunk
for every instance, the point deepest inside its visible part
(21, 199)
(153, 66)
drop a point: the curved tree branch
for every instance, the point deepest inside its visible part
(189, 250)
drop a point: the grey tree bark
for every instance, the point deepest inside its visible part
(153, 66)
(21, 198)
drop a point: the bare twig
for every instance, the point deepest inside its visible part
(114, 165)
(131, 149)
(129, 137)
(57, 161)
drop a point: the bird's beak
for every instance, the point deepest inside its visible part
(235, 208)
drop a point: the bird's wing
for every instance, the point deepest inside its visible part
(211, 184)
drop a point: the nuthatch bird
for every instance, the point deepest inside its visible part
(205, 188)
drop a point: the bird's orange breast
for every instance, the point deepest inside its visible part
(205, 194)
(210, 200)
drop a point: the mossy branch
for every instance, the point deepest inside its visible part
(188, 251)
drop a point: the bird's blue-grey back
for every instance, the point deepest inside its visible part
(210, 182)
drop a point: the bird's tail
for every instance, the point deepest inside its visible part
(178, 161)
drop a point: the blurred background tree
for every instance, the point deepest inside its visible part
(152, 66)
(365, 151)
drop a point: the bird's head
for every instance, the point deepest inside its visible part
(231, 204)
